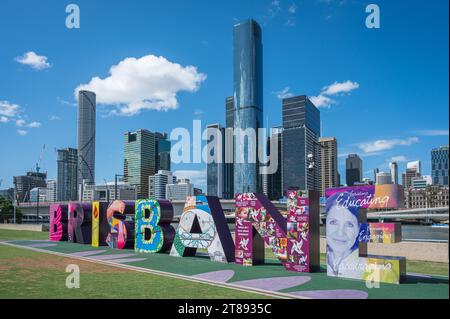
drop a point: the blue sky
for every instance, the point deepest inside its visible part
(388, 86)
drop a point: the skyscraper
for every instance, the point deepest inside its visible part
(228, 188)
(375, 173)
(24, 184)
(86, 138)
(301, 148)
(158, 182)
(67, 174)
(51, 186)
(215, 169)
(415, 165)
(439, 165)
(162, 152)
(329, 176)
(407, 177)
(393, 167)
(274, 180)
(383, 178)
(139, 160)
(353, 169)
(248, 103)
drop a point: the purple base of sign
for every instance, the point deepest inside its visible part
(219, 276)
(332, 294)
(274, 283)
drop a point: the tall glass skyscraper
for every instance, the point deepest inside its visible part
(353, 169)
(66, 182)
(301, 149)
(439, 165)
(248, 100)
(86, 138)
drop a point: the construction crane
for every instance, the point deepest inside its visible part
(39, 162)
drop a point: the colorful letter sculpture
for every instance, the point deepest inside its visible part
(80, 223)
(120, 216)
(58, 222)
(100, 225)
(303, 231)
(203, 225)
(348, 233)
(258, 221)
(152, 226)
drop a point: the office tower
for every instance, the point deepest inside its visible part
(408, 176)
(415, 165)
(86, 139)
(273, 180)
(162, 152)
(329, 176)
(353, 169)
(301, 148)
(393, 167)
(158, 182)
(383, 178)
(439, 165)
(52, 190)
(179, 190)
(215, 169)
(24, 184)
(248, 100)
(375, 172)
(140, 158)
(67, 175)
(228, 178)
(421, 182)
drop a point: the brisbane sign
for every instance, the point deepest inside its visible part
(294, 238)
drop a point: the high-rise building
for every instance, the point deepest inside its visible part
(107, 192)
(393, 168)
(162, 152)
(329, 176)
(145, 152)
(7, 193)
(375, 173)
(86, 139)
(24, 184)
(215, 169)
(272, 180)
(439, 165)
(415, 165)
(383, 178)
(179, 190)
(421, 182)
(52, 190)
(248, 103)
(353, 169)
(301, 148)
(408, 176)
(67, 174)
(228, 188)
(158, 182)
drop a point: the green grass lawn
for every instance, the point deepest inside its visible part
(6, 234)
(29, 274)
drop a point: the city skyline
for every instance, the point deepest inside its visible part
(42, 105)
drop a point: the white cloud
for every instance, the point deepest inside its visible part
(20, 123)
(22, 132)
(54, 118)
(383, 145)
(37, 62)
(292, 8)
(284, 93)
(433, 132)
(324, 100)
(3, 119)
(399, 158)
(337, 88)
(149, 82)
(8, 109)
(196, 177)
(34, 125)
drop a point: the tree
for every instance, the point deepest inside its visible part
(7, 211)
